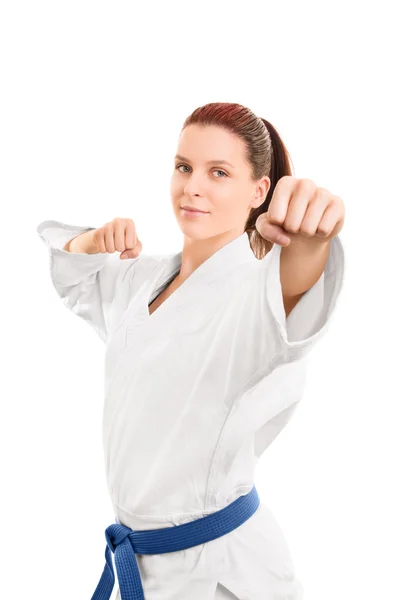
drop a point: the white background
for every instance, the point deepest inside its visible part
(93, 96)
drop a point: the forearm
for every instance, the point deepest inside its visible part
(302, 264)
(82, 243)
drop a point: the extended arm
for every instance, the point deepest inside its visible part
(302, 264)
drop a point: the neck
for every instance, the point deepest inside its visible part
(195, 252)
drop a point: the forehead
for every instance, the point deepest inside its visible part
(201, 143)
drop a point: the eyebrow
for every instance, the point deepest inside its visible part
(224, 162)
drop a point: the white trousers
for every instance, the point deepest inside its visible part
(252, 562)
(204, 591)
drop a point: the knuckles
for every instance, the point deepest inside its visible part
(106, 239)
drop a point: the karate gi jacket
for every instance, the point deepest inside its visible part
(193, 396)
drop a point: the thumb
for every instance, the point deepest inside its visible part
(271, 231)
(132, 252)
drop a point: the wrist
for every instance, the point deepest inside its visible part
(82, 243)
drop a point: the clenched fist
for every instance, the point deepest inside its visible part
(117, 235)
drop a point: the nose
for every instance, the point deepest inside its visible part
(194, 185)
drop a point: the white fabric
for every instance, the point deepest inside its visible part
(194, 394)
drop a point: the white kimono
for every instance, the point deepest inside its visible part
(194, 394)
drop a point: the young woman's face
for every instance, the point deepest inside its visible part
(202, 180)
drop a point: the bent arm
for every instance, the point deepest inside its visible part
(87, 283)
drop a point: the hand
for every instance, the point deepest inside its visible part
(119, 234)
(300, 210)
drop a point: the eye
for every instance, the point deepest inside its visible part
(218, 170)
(177, 167)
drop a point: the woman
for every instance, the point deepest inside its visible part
(206, 349)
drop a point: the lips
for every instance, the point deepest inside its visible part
(191, 209)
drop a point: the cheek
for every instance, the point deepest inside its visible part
(175, 189)
(229, 205)
(224, 199)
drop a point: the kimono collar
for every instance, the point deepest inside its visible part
(233, 254)
(202, 286)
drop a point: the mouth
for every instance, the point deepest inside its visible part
(193, 211)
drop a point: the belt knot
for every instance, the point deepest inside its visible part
(116, 534)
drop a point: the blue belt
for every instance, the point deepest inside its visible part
(125, 543)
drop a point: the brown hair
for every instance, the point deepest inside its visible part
(265, 152)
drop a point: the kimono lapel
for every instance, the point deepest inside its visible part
(197, 286)
(141, 336)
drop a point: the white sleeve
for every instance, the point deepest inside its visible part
(88, 283)
(311, 317)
